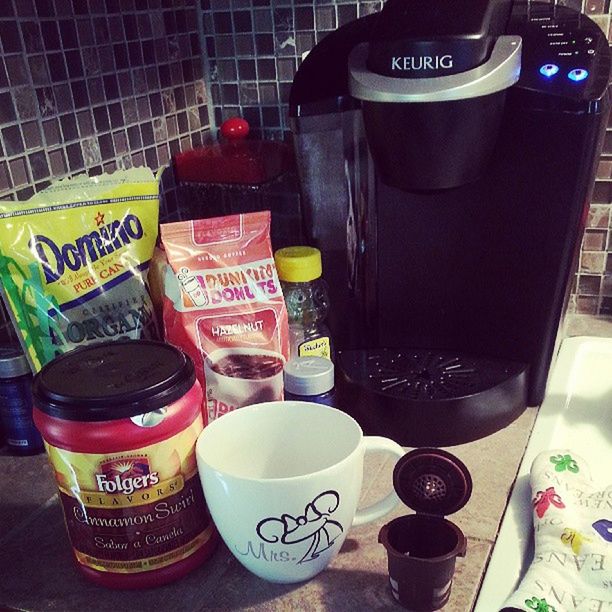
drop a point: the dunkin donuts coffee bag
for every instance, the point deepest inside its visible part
(224, 307)
(74, 259)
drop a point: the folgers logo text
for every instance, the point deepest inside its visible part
(125, 475)
(87, 248)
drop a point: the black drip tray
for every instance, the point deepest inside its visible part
(430, 398)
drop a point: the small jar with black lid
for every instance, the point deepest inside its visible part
(120, 422)
(22, 437)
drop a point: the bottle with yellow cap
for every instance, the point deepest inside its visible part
(299, 270)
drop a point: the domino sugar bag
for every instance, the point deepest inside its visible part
(74, 259)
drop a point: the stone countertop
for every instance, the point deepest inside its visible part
(37, 572)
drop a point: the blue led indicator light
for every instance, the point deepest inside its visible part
(578, 74)
(549, 70)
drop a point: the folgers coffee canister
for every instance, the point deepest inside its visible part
(120, 422)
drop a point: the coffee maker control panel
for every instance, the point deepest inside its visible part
(563, 52)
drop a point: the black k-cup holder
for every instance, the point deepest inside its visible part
(422, 547)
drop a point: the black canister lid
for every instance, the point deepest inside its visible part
(113, 380)
(432, 481)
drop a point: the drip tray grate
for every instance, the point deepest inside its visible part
(423, 374)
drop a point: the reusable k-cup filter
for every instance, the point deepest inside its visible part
(422, 547)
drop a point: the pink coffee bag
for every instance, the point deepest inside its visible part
(224, 307)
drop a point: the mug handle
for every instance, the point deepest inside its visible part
(388, 503)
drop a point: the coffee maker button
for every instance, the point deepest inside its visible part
(549, 70)
(578, 74)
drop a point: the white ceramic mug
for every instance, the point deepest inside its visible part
(282, 481)
(226, 393)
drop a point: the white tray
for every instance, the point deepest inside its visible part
(576, 414)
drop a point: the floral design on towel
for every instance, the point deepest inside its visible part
(604, 528)
(565, 462)
(543, 500)
(539, 605)
(575, 539)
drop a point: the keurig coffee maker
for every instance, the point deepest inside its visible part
(447, 153)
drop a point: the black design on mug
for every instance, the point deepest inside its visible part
(314, 525)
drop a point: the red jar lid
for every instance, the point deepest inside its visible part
(235, 161)
(113, 380)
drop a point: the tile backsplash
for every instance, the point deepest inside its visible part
(253, 49)
(96, 85)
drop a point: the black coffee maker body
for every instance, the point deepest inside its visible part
(447, 153)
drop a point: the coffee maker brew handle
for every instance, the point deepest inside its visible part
(388, 503)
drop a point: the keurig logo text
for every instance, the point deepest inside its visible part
(421, 62)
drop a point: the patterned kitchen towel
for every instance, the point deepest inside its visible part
(572, 564)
